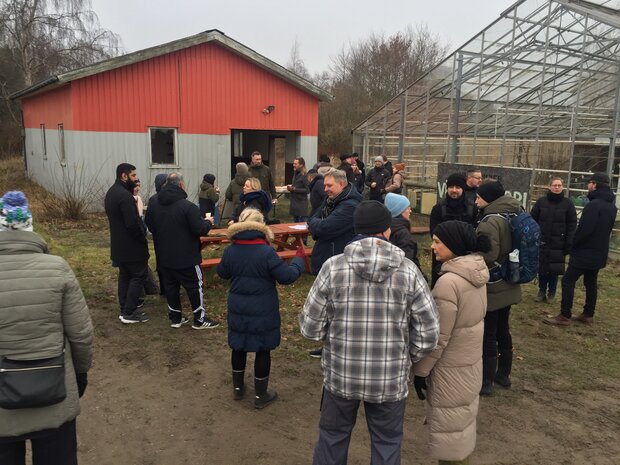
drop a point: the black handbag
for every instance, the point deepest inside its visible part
(32, 383)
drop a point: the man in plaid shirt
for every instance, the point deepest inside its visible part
(374, 310)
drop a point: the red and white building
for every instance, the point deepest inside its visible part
(196, 105)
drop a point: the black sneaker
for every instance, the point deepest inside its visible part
(140, 302)
(316, 353)
(178, 324)
(136, 317)
(207, 324)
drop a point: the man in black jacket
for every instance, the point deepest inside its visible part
(346, 166)
(177, 226)
(376, 178)
(589, 251)
(128, 247)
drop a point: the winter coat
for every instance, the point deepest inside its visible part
(234, 190)
(450, 209)
(380, 176)
(396, 183)
(557, 219)
(176, 225)
(591, 243)
(454, 368)
(401, 238)
(317, 193)
(500, 293)
(471, 193)
(346, 167)
(333, 231)
(299, 195)
(263, 174)
(207, 198)
(256, 199)
(253, 266)
(41, 308)
(127, 231)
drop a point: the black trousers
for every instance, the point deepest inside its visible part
(497, 335)
(191, 280)
(49, 447)
(131, 279)
(590, 281)
(262, 362)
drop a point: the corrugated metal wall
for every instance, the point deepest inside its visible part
(50, 108)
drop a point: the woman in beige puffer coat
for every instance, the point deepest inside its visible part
(453, 371)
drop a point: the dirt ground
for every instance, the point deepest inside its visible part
(163, 396)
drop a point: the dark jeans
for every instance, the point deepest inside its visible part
(550, 281)
(569, 280)
(497, 335)
(131, 279)
(338, 416)
(56, 446)
(262, 362)
(191, 280)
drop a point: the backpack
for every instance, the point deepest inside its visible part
(525, 233)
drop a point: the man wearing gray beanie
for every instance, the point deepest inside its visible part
(374, 311)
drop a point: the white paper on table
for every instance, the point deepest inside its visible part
(299, 226)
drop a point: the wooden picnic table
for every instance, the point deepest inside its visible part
(288, 237)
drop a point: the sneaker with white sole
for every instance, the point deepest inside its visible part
(136, 317)
(179, 323)
(207, 324)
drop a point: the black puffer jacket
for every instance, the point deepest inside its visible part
(591, 243)
(401, 237)
(557, 218)
(176, 226)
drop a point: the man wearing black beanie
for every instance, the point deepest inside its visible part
(500, 293)
(376, 315)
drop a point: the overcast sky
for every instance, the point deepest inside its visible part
(270, 27)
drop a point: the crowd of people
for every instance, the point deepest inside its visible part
(370, 305)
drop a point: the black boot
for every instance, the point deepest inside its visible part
(239, 387)
(489, 366)
(264, 396)
(504, 366)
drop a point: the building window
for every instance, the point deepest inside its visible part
(43, 141)
(61, 142)
(163, 146)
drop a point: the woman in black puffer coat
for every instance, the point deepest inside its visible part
(557, 218)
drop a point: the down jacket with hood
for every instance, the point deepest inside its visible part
(500, 293)
(454, 368)
(253, 266)
(41, 307)
(331, 226)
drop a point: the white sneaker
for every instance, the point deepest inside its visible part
(180, 323)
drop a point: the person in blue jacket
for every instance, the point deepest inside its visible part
(331, 225)
(253, 266)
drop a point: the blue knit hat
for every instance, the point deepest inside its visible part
(14, 212)
(396, 203)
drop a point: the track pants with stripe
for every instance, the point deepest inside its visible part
(191, 280)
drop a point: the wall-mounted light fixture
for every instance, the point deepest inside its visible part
(268, 109)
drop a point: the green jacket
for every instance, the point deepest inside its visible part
(263, 174)
(501, 293)
(41, 307)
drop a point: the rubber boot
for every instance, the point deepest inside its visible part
(264, 396)
(504, 366)
(238, 384)
(489, 366)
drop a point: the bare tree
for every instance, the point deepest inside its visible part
(296, 63)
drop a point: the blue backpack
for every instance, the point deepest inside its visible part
(526, 239)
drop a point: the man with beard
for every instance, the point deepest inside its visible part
(262, 172)
(128, 247)
(455, 206)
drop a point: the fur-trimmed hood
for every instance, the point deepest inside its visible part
(237, 228)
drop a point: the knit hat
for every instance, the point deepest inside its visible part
(396, 203)
(371, 217)
(210, 178)
(241, 168)
(344, 156)
(160, 180)
(458, 236)
(14, 212)
(491, 191)
(379, 158)
(456, 179)
(599, 178)
(399, 166)
(251, 214)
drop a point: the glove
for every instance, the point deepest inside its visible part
(82, 382)
(419, 382)
(301, 253)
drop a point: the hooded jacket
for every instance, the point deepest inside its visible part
(255, 199)
(454, 368)
(334, 231)
(207, 197)
(176, 226)
(234, 190)
(500, 293)
(41, 307)
(591, 243)
(253, 266)
(375, 313)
